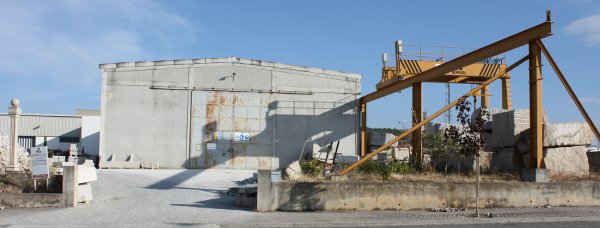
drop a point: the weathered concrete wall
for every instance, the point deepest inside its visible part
(31, 200)
(302, 196)
(187, 113)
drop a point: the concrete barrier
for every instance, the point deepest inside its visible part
(31, 200)
(308, 196)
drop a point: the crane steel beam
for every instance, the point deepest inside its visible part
(426, 120)
(569, 89)
(517, 40)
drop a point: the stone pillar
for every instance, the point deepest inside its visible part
(70, 186)
(264, 196)
(14, 111)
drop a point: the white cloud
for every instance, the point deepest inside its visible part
(588, 28)
(591, 100)
(59, 44)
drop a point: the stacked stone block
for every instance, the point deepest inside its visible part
(564, 144)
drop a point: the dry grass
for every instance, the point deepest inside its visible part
(594, 176)
(413, 177)
(433, 176)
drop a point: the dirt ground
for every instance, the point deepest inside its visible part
(16, 182)
(22, 182)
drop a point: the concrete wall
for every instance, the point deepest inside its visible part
(31, 200)
(90, 134)
(186, 113)
(303, 196)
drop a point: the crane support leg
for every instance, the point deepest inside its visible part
(569, 90)
(485, 99)
(536, 112)
(363, 128)
(506, 99)
(417, 142)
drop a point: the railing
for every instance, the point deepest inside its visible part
(437, 53)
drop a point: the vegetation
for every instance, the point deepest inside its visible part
(385, 170)
(469, 136)
(442, 147)
(311, 167)
(394, 131)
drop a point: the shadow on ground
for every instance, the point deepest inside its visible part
(223, 201)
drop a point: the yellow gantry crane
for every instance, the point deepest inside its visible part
(406, 68)
(468, 68)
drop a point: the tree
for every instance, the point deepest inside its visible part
(470, 135)
(441, 146)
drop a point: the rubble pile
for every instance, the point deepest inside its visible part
(24, 158)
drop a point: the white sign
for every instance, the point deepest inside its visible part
(242, 136)
(211, 146)
(39, 162)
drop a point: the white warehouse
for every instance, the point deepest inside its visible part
(224, 112)
(57, 132)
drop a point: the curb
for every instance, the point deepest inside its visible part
(424, 222)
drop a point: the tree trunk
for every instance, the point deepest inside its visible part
(477, 188)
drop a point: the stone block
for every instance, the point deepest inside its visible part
(535, 175)
(84, 193)
(506, 160)
(401, 153)
(567, 134)
(506, 126)
(86, 174)
(378, 139)
(572, 161)
(293, 171)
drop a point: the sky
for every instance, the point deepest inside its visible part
(50, 50)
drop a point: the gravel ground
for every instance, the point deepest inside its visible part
(157, 198)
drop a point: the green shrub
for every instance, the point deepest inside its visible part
(311, 167)
(398, 167)
(374, 167)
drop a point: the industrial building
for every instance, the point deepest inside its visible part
(57, 132)
(224, 112)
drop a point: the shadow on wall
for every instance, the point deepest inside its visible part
(282, 137)
(91, 143)
(302, 197)
(336, 123)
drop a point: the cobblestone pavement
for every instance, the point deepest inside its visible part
(157, 198)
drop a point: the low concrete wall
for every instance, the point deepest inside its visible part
(68, 198)
(306, 196)
(31, 200)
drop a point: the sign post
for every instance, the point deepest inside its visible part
(39, 165)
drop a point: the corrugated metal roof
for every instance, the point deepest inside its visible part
(233, 59)
(44, 125)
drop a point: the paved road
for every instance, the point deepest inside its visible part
(157, 198)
